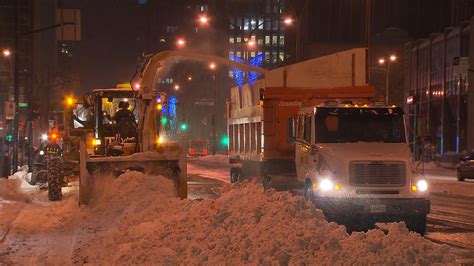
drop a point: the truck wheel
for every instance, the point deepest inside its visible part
(460, 177)
(308, 191)
(266, 181)
(417, 224)
(235, 175)
(54, 179)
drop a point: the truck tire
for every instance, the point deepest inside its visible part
(417, 224)
(54, 179)
(460, 176)
(235, 175)
(308, 190)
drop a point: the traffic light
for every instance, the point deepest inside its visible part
(183, 126)
(225, 140)
(9, 138)
(164, 120)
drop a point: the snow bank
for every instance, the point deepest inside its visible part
(140, 220)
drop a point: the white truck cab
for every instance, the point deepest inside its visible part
(355, 163)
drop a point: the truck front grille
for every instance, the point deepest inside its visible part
(377, 173)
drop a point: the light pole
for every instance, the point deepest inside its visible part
(212, 67)
(7, 54)
(298, 16)
(387, 62)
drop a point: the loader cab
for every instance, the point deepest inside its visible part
(114, 135)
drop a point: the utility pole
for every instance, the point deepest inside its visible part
(16, 86)
(213, 119)
(387, 75)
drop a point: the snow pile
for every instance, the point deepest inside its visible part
(11, 189)
(141, 221)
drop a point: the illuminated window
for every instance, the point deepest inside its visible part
(238, 40)
(260, 24)
(253, 23)
(231, 40)
(267, 57)
(239, 53)
(246, 24)
(203, 8)
(282, 40)
(260, 41)
(252, 54)
(267, 40)
(231, 54)
(281, 56)
(274, 40)
(230, 74)
(274, 57)
(252, 38)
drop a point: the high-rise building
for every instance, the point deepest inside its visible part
(257, 27)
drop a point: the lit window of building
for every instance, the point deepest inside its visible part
(267, 40)
(239, 54)
(282, 40)
(238, 39)
(260, 41)
(260, 24)
(274, 57)
(274, 40)
(267, 57)
(231, 40)
(246, 24)
(231, 54)
(253, 23)
(252, 54)
(281, 56)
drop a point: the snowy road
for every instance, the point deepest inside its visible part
(451, 220)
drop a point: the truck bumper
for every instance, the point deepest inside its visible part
(383, 210)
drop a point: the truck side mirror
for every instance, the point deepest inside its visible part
(291, 130)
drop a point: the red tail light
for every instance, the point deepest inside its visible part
(191, 151)
(204, 152)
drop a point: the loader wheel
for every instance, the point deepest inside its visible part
(235, 174)
(54, 179)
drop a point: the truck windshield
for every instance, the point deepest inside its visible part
(338, 125)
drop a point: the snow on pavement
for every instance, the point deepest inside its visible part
(211, 166)
(137, 219)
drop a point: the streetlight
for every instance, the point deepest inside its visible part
(180, 42)
(212, 66)
(382, 61)
(6, 52)
(288, 21)
(203, 20)
(176, 87)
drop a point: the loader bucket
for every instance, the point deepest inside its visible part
(169, 162)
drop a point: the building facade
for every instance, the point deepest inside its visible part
(440, 102)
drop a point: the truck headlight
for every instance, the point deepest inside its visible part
(421, 186)
(326, 184)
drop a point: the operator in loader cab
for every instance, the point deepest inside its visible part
(125, 121)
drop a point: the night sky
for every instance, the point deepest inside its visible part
(110, 45)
